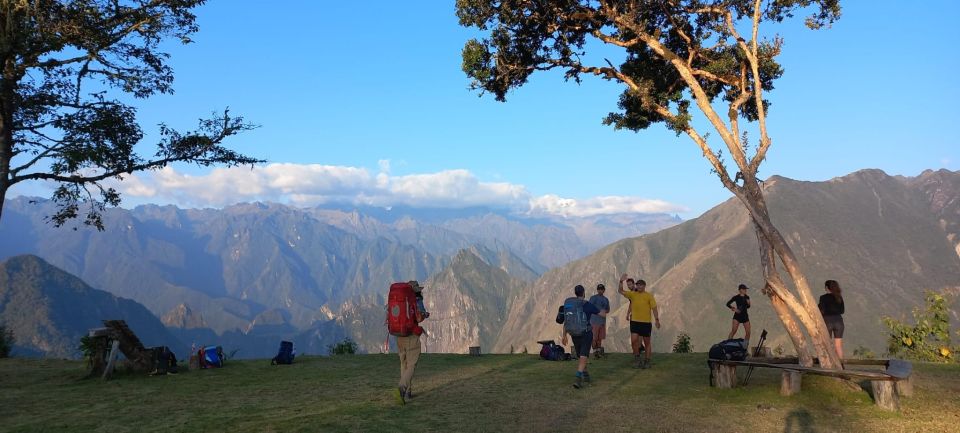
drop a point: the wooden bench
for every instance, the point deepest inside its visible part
(896, 380)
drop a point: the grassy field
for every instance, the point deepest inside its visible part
(456, 393)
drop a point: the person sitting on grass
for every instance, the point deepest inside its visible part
(576, 322)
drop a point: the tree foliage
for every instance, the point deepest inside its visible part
(69, 71)
(928, 339)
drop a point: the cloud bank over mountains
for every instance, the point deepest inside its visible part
(316, 184)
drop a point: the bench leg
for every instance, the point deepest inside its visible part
(789, 382)
(724, 376)
(905, 387)
(885, 395)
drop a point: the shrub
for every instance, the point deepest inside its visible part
(928, 339)
(345, 347)
(862, 352)
(778, 351)
(682, 345)
(6, 341)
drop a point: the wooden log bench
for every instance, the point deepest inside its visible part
(120, 339)
(887, 386)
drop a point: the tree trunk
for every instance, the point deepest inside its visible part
(769, 261)
(803, 306)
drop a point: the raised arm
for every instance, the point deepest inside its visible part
(620, 286)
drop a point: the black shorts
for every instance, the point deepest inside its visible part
(741, 317)
(581, 344)
(642, 328)
(834, 325)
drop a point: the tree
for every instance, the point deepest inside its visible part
(65, 66)
(680, 54)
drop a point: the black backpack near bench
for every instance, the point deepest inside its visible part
(285, 355)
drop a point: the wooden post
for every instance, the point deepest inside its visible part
(905, 387)
(723, 376)
(474, 350)
(885, 395)
(111, 359)
(789, 382)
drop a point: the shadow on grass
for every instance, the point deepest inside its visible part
(799, 421)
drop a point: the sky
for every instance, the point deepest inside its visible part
(365, 102)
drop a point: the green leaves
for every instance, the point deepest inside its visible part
(929, 338)
(67, 62)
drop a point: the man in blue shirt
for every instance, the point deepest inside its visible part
(597, 322)
(582, 337)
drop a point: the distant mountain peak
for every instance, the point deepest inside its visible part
(183, 317)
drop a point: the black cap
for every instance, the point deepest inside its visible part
(742, 287)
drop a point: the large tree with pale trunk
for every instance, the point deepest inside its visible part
(682, 58)
(68, 69)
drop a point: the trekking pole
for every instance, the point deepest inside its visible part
(756, 352)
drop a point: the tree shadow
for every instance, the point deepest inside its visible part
(799, 421)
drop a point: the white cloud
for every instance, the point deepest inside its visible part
(313, 184)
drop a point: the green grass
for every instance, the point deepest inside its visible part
(456, 393)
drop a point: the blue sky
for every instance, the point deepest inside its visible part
(373, 91)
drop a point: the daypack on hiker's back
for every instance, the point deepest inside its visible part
(575, 320)
(211, 357)
(729, 350)
(285, 355)
(401, 310)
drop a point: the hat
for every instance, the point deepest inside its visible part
(742, 286)
(416, 286)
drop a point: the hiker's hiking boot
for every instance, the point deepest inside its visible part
(586, 378)
(579, 382)
(645, 364)
(408, 395)
(399, 394)
(637, 361)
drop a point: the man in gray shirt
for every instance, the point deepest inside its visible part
(599, 323)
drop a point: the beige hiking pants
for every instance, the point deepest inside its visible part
(409, 350)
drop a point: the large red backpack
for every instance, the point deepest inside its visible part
(401, 310)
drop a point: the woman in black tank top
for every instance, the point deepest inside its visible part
(739, 304)
(831, 306)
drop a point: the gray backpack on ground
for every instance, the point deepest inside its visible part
(575, 320)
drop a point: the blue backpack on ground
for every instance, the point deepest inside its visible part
(211, 357)
(575, 320)
(285, 354)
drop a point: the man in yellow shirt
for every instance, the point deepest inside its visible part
(642, 304)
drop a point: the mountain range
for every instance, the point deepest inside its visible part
(263, 271)
(887, 239)
(49, 310)
(249, 275)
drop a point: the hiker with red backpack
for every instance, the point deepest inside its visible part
(576, 322)
(403, 318)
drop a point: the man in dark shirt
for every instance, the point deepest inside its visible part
(581, 342)
(742, 301)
